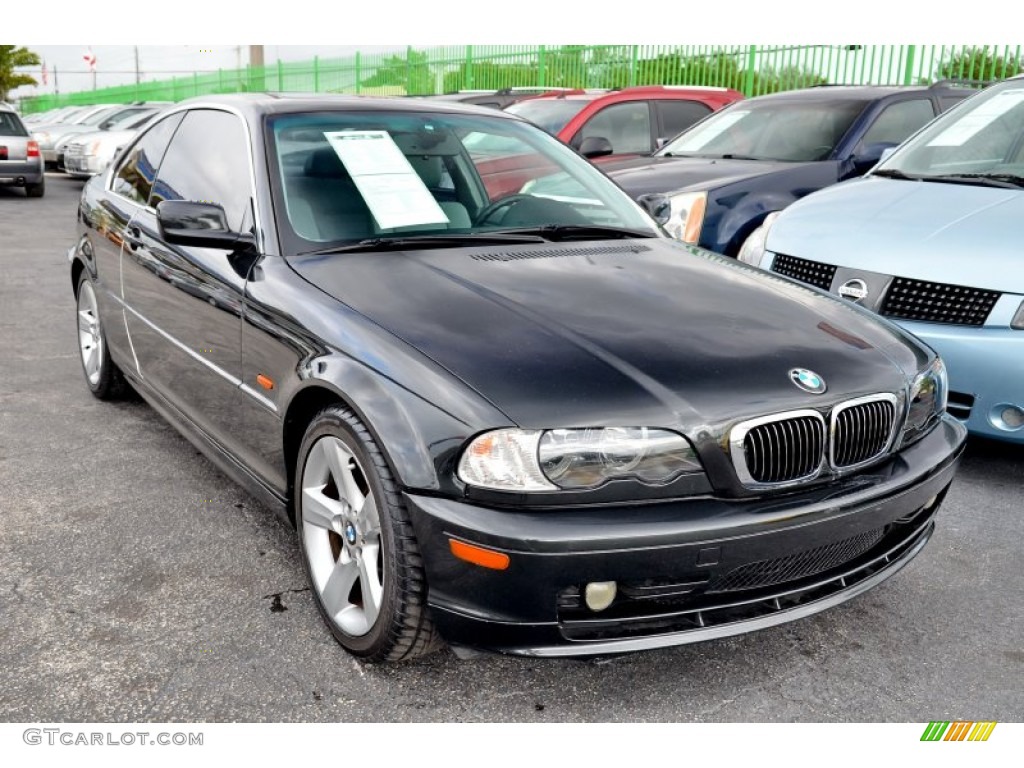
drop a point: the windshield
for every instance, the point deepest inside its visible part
(95, 118)
(345, 176)
(983, 136)
(550, 114)
(774, 129)
(134, 119)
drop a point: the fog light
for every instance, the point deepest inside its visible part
(1013, 417)
(931, 501)
(1007, 417)
(600, 594)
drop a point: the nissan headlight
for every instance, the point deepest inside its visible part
(575, 459)
(927, 403)
(687, 216)
(752, 250)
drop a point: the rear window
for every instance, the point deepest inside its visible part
(10, 125)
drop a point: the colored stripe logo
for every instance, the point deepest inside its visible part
(960, 730)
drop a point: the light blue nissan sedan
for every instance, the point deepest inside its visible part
(933, 239)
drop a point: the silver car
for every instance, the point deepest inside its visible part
(20, 160)
(88, 154)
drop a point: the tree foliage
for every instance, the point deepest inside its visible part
(979, 64)
(411, 72)
(12, 56)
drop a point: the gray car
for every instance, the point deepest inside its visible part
(20, 160)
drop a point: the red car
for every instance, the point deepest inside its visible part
(630, 121)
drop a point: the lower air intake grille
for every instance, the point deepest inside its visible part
(861, 431)
(784, 450)
(813, 272)
(793, 567)
(938, 302)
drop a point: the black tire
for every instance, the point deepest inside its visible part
(110, 383)
(403, 628)
(35, 190)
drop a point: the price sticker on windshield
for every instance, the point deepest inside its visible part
(393, 191)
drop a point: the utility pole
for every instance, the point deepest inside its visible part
(137, 78)
(56, 85)
(256, 70)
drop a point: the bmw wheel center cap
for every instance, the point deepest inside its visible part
(807, 380)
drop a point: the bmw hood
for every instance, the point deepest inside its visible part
(679, 174)
(961, 234)
(642, 332)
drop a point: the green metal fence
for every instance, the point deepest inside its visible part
(754, 70)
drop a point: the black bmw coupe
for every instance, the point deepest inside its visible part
(522, 422)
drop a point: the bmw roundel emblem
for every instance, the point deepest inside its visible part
(807, 380)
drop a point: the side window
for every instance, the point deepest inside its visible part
(208, 161)
(134, 177)
(898, 121)
(626, 125)
(679, 114)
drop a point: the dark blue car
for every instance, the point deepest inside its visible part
(727, 173)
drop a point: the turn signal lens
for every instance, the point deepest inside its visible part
(485, 558)
(32, 148)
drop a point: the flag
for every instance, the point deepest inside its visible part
(90, 59)
(45, 74)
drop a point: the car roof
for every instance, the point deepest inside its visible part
(859, 92)
(257, 104)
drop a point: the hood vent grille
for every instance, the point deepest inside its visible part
(553, 253)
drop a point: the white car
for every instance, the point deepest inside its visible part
(90, 153)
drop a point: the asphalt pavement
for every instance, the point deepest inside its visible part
(137, 583)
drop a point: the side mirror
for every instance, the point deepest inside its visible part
(595, 146)
(886, 154)
(870, 155)
(199, 225)
(661, 142)
(657, 205)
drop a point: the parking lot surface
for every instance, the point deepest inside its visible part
(137, 583)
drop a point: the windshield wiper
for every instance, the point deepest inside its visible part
(892, 173)
(559, 232)
(1002, 180)
(428, 241)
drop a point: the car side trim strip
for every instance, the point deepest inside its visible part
(235, 381)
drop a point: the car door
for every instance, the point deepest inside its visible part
(627, 125)
(129, 187)
(186, 303)
(676, 115)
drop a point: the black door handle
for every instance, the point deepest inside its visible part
(133, 238)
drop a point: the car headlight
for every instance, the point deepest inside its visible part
(575, 459)
(752, 250)
(687, 216)
(1018, 319)
(928, 395)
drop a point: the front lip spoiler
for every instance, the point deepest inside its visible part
(783, 616)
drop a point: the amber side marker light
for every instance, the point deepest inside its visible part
(264, 382)
(486, 558)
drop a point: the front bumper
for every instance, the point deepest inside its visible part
(687, 570)
(986, 373)
(84, 166)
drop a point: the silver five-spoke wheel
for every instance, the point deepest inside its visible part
(90, 340)
(342, 537)
(358, 545)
